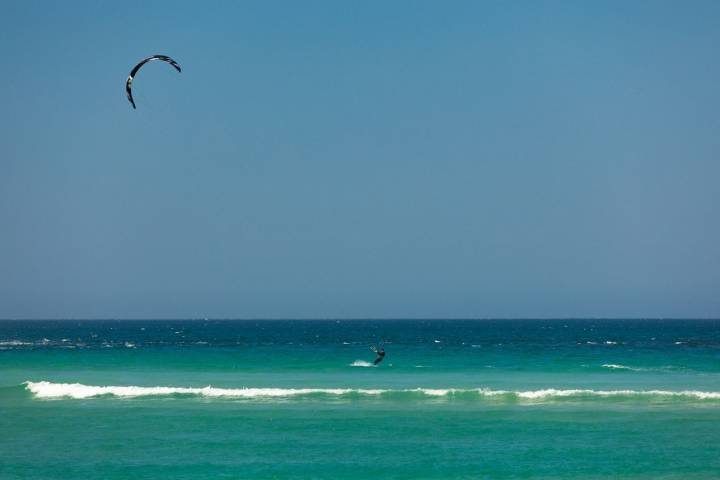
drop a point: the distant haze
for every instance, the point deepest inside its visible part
(372, 159)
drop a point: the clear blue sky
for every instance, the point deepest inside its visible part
(360, 159)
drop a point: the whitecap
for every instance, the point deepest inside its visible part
(77, 390)
(361, 363)
(13, 343)
(434, 392)
(553, 393)
(46, 389)
(615, 366)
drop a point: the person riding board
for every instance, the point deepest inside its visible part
(380, 351)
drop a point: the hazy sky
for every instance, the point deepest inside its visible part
(360, 159)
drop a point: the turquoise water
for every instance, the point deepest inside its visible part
(300, 399)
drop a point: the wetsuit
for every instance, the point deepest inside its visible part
(380, 356)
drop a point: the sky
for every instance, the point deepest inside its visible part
(343, 159)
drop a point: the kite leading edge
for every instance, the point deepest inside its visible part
(128, 83)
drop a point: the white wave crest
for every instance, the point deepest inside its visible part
(664, 368)
(434, 392)
(77, 390)
(361, 363)
(614, 366)
(46, 389)
(553, 393)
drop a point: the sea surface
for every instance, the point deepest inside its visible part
(484, 399)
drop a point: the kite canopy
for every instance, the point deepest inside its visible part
(128, 83)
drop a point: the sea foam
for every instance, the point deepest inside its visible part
(614, 366)
(77, 390)
(361, 363)
(46, 389)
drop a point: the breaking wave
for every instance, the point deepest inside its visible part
(361, 363)
(664, 368)
(13, 343)
(46, 389)
(614, 366)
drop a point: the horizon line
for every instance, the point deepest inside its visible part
(349, 319)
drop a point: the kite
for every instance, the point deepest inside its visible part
(128, 83)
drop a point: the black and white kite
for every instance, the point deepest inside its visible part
(128, 83)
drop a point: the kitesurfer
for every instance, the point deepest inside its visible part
(380, 354)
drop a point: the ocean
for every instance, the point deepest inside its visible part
(301, 399)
